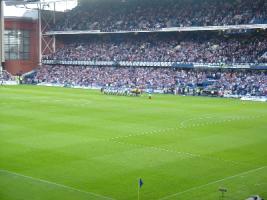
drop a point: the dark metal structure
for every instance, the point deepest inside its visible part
(2, 57)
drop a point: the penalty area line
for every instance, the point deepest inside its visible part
(213, 182)
(55, 184)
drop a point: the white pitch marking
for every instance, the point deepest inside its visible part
(179, 152)
(56, 184)
(213, 182)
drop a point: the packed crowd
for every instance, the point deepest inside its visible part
(148, 14)
(174, 47)
(5, 76)
(226, 82)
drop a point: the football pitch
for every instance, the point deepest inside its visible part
(72, 144)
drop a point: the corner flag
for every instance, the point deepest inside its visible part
(140, 183)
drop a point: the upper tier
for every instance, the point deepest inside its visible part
(109, 16)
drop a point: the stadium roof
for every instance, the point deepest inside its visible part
(24, 2)
(26, 8)
(20, 2)
(62, 5)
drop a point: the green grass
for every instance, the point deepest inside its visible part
(67, 144)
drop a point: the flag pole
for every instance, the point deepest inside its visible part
(138, 191)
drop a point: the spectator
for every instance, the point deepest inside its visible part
(147, 14)
(230, 82)
(202, 48)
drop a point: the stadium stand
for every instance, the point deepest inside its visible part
(136, 59)
(170, 80)
(162, 47)
(145, 14)
(5, 76)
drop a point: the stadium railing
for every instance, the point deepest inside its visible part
(156, 64)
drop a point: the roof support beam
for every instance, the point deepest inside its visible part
(2, 31)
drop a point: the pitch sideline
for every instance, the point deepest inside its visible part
(213, 182)
(56, 184)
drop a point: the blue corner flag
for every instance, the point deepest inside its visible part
(140, 183)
